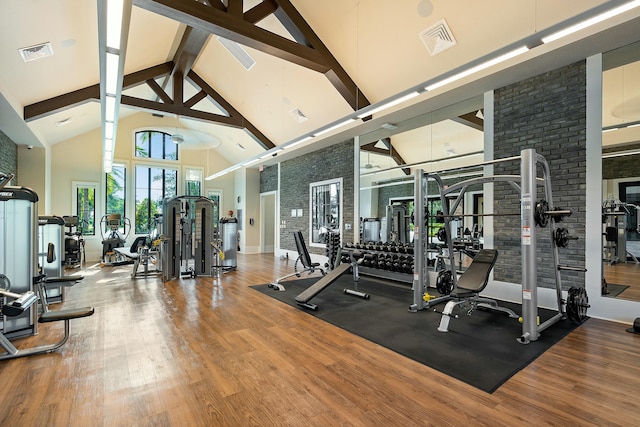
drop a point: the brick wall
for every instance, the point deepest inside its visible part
(329, 163)
(269, 179)
(8, 157)
(621, 167)
(548, 113)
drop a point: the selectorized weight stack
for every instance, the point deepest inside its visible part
(188, 237)
(51, 240)
(18, 254)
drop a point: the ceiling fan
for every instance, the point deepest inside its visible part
(368, 166)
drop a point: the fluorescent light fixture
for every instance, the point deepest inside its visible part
(388, 104)
(110, 108)
(620, 153)
(477, 68)
(591, 21)
(633, 126)
(108, 165)
(609, 130)
(111, 85)
(251, 162)
(114, 23)
(329, 129)
(305, 139)
(108, 130)
(108, 145)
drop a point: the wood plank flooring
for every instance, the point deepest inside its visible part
(213, 352)
(624, 274)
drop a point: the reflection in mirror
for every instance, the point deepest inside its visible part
(621, 172)
(439, 140)
(325, 210)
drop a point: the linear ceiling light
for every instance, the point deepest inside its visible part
(113, 29)
(336, 126)
(388, 104)
(591, 21)
(477, 68)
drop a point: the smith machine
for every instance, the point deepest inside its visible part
(532, 213)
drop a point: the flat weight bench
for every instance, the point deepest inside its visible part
(470, 284)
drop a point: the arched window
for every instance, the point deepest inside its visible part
(152, 144)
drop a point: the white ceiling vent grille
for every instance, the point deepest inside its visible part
(38, 51)
(437, 38)
(298, 115)
(238, 51)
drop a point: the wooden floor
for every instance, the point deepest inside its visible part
(624, 274)
(213, 352)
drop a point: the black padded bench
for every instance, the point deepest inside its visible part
(469, 286)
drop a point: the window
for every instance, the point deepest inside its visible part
(85, 207)
(153, 184)
(216, 196)
(193, 182)
(155, 145)
(326, 209)
(115, 191)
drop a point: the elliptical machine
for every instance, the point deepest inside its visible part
(112, 238)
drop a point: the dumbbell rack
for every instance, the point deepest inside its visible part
(392, 261)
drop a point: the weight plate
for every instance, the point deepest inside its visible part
(577, 304)
(444, 282)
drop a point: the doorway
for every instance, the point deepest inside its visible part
(268, 222)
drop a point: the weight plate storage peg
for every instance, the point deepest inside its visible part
(577, 304)
(444, 282)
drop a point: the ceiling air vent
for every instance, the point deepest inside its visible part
(298, 115)
(238, 51)
(437, 38)
(38, 51)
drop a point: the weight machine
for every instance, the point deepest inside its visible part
(113, 238)
(74, 254)
(532, 213)
(190, 245)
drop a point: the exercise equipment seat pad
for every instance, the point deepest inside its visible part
(475, 279)
(72, 313)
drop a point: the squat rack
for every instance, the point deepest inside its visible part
(526, 184)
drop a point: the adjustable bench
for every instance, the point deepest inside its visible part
(470, 284)
(305, 260)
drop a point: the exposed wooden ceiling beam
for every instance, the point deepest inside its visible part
(471, 120)
(236, 29)
(191, 44)
(308, 52)
(336, 74)
(59, 103)
(196, 80)
(371, 148)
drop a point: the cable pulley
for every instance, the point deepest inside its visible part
(577, 304)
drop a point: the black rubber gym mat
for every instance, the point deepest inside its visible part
(480, 349)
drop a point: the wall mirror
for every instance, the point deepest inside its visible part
(439, 140)
(621, 173)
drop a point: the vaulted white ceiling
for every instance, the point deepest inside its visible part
(376, 42)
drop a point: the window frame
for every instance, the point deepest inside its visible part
(134, 189)
(312, 185)
(75, 186)
(167, 140)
